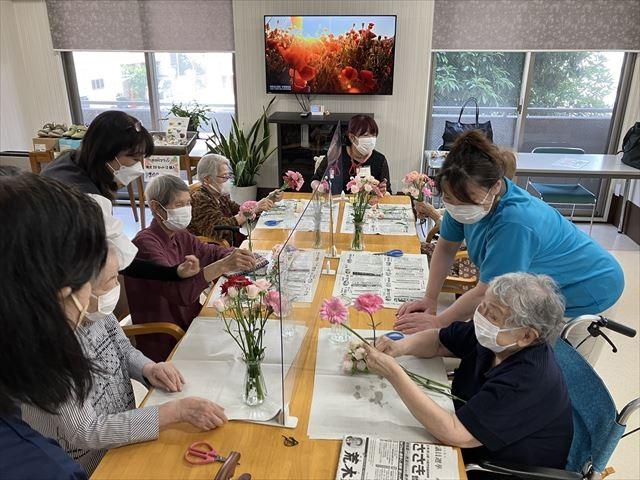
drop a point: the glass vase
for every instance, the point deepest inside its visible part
(339, 334)
(255, 389)
(357, 242)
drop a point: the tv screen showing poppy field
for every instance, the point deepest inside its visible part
(337, 54)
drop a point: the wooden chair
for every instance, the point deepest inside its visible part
(456, 285)
(37, 159)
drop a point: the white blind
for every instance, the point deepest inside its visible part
(537, 25)
(142, 25)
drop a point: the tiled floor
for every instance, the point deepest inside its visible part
(620, 371)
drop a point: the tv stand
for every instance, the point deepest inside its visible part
(302, 138)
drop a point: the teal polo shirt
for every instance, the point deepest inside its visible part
(524, 234)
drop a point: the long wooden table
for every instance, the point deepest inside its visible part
(263, 452)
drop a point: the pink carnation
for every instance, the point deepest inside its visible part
(333, 310)
(293, 180)
(248, 208)
(275, 301)
(369, 303)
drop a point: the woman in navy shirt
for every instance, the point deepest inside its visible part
(45, 296)
(516, 406)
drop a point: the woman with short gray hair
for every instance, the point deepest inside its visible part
(512, 403)
(212, 203)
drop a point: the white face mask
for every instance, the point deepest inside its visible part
(467, 214)
(225, 188)
(487, 333)
(178, 218)
(108, 301)
(125, 175)
(365, 145)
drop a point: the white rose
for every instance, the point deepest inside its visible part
(361, 365)
(232, 292)
(367, 187)
(347, 366)
(252, 292)
(219, 306)
(358, 354)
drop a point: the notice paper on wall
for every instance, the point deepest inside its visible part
(157, 165)
(369, 458)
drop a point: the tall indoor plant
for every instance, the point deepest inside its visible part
(246, 152)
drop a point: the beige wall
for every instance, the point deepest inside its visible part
(401, 116)
(32, 88)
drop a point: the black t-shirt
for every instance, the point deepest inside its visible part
(377, 162)
(519, 410)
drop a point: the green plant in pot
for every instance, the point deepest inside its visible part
(196, 113)
(247, 152)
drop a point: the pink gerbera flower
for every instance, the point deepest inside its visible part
(333, 310)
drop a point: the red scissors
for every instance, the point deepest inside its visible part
(199, 456)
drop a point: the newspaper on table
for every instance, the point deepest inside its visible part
(369, 458)
(301, 275)
(385, 219)
(286, 213)
(396, 279)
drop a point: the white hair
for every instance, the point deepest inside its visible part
(209, 165)
(163, 188)
(533, 301)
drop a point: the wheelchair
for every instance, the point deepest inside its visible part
(597, 425)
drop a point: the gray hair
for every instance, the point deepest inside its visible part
(209, 165)
(533, 301)
(163, 188)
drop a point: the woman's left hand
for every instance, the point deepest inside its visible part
(164, 375)
(380, 363)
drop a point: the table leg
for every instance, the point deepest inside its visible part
(625, 197)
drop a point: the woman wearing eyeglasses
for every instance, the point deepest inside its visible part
(211, 203)
(110, 158)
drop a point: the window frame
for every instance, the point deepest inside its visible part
(73, 93)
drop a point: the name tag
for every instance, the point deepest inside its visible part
(364, 171)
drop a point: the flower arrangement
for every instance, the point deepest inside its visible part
(417, 185)
(245, 307)
(367, 191)
(334, 311)
(248, 209)
(292, 180)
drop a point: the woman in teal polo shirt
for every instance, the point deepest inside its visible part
(507, 230)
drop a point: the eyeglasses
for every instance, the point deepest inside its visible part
(136, 126)
(225, 177)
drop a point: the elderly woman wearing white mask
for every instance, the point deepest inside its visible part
(212, 204)
(108, 417)
(515, 406)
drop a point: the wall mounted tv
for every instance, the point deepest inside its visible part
(330, 54)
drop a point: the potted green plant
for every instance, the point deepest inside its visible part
(246, 152)
(196, 113)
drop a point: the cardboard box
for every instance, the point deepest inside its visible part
(69, 144)
(42, 144)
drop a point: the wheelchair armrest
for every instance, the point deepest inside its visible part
(523, 471)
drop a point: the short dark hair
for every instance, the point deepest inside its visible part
(110, 133)
(53, 237)
(472, 159)
(362, 125)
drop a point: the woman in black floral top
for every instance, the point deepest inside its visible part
(211, 203)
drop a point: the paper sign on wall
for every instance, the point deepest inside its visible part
(157, 165)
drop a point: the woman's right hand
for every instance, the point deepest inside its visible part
(189, 268)
(392, 348)
(264, 205)
(201, 413)
(425, 305)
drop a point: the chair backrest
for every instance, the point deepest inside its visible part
(565, 150)
(37, 159)
(194, 186)
(595, 430)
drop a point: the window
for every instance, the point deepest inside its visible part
(120, 81)
(203, 78)
(570, 95)
(571, 100)
(494, 78)
(124, 79)
(97, 84)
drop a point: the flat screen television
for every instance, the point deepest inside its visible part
(342, 54)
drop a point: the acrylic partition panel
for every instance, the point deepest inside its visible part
(297, 266)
